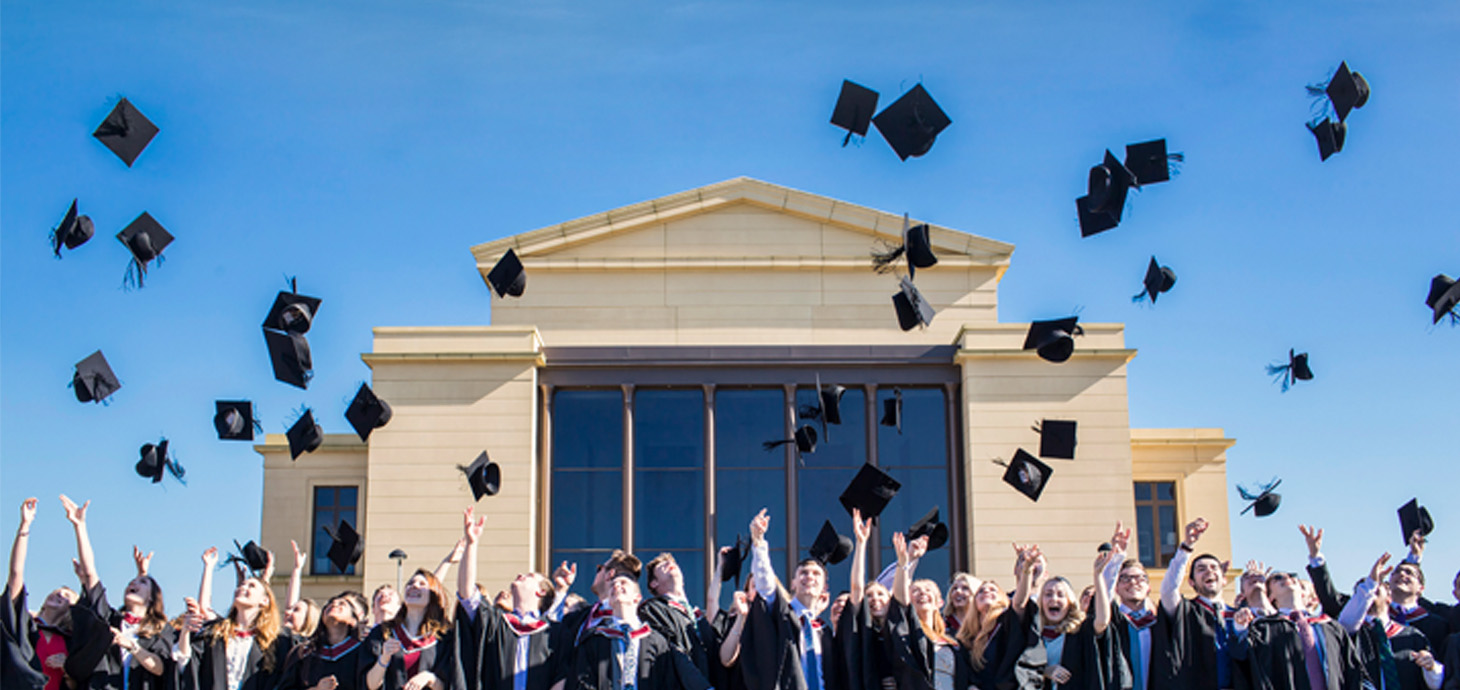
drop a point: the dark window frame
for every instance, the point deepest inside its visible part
(335, 510)
(1161, 556)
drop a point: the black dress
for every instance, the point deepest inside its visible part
(307, 665)
(207, 669)
(19, 666)
(431, 654)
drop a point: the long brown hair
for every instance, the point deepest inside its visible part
(437, 620)
(936, 630)
(154, 618)
(265, 627)
(976, 630)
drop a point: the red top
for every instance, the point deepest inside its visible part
(47, 644)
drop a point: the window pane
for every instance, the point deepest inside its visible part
(669, 511)
(588, 510)
(346, 497)
(669, 428)
(842, 445)
(1146, 536)
(1166, 491)
(1168, 532)
(817, 492)
(921, 490)
(1143, 491)
(588, 429)
(586, 562)
(924, 437)
(740, 494)
(744, 419)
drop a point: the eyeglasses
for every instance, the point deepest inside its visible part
(1132, 579)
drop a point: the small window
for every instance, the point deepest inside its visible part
(332, 505)
(1156, 522)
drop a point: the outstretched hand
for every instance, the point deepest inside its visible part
(1417, 545)
(472, 527)
(1380, 571)
(143, 562)
(899, 545)
(862, 529)
(759, 525)
(1194, 530)
(299, 559)
(917, 547)
(564, 576)
(1314, 537)
(210, 557)
(77, 515)
(27, 513)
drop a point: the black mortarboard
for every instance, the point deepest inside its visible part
(305, 436)
(1347, 90)
(74, 230)
(917, 244)
(1027, 474)
(1149, 162)
(869, 491)
(94, 380)
(1093, 222)
(892, 410)
(929, 525)
(912, 123)
(153, 461)
(1054, 340)
(508, 277)
(145, 238)
(912, 309)
(854, 108)
(1057, 438)
(1109, 184)
(1414, 517)
(289, 354)
(252, 555)
(1330, 137)
(1444, 296)
(346, 547)
(484, 476)
(735, 561)
(1158, 279)
(830, 548)
(1295, 370)
(292, 312)
(1264, 502)
(367, 412)
(805, 440)
(126, 131)
(234, 420)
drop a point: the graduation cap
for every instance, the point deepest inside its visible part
(234, 420)
(251, 555)
(484, 476)
(1054, 340)
(1347, 90)
(805, 440)
(1414, 517)
(1444, 296)
(289, 355)
(912, 123)
(1158, 279)
(1149, 162)
(94, 380)
(1027, 474)
(126, 131)
(870, 491)
(367, 412)
(292, 312)
(892, 410)
(1057, 438)
(930, 526)
(735, 561)
(145, 238)
(912, 309)
(1093, 222)
(1330, 136)
(1109, 184)
(1295, 370)
(830, 548)
(346, 548)
(508, 277)
(916, 244)
(854, 108)
(73, 231)
(154, 462)
(1264, 501)
(305, 436)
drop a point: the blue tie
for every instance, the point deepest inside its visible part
(1137, 668)
(813, 660)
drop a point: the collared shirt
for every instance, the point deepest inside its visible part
(238, 646)
(1141, 636)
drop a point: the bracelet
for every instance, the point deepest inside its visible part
(23, 534)
(1184, 547)
(384, 665)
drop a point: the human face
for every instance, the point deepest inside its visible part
(139, 591)
(925, 597)
(1054, 601)
(339, 612)
(667, 578)
(960, 593)
(810, 582)
(986, 596)
(601, 579)
(1405, 581)
(1087, 595)
(527, 590)
(877, 599)
(297, 616)
(837, 606)
(418, 591)
(1133, 585)
(386, 604)
(1207, 578)
(1284, 590)
(623, 593)
(251, 594)
(57, 603)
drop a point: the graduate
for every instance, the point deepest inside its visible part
(574, 624)
(1395, 656)
(729, 627)
(930, 650)
(960, 597)
(873, 636)
(785, 641)
(1201, 625)
(384, 603)
(624, 653)
(993, 634)
(246, 650)
(1294, 649)
(502, 650)
(1069, 646)
(301, 615)
(330, 658)
(33, 649)
(128, 649)
(670, 614)
(407, 651)
(1143, 630)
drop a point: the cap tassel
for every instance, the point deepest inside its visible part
(175, 468)
(1173, 163)
(1283, 374)
(1140, 297)
(772, 445)
(882, 260)
(135, 276)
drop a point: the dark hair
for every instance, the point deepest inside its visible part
(1192, 569)
(1418, 574)
(438, 617)
(812, 561)
(625, 563)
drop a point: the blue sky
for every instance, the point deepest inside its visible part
(364, 146)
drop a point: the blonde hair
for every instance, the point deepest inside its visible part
(976, 630)
(266, 626)
(311, 618)
(935, 630)
(1075, 615)
(973, 584)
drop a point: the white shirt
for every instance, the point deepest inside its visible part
(238, 649)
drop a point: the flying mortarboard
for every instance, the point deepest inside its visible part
(892, 410)
(125, 131)
(930, 526)
(804, 438)
(735, 561)
(1093, 222)
(289, 355)
(508, 277)
(830, 548)
(73, 232)
(870, 491)
(1347, 90)
(367, 412)
(484, 476)
(1149, 162)
(912, 308)
(252, 555)
(1444, 296)
(292, 312)
(1330, 137)
(94, 380)
(1264, 502)
(305, 436)
(1158, 279)
(1027, 474)
(917, 244)
(1057, 438)
(346, 547)
(854, 108)
(1054, 340)
(1295, 370)
(145, 238)
(1109, 184)
(1414, 517)
(234, 420)
(155, 461)
(912, 123)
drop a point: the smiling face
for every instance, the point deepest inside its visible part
(1284, 590)
(341, 611)
(623, 595)
(665, 576)
(1407, 582)
(417, 592)
(960, 593)
(837, 605)
(926, 597)
(527, 591)
(1133, 586)
(1207, 577)
(1055, 600)
(877, 598)
(58, 605)
(139, 591)
(297, 617)
(386, 604)
(251, 594)
(986, 596)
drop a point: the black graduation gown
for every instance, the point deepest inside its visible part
(1162, 670)
(1093, 659)
(1435, 624)
(488, 644)
(1452, 662)
(770, 656)
(95, 660)
(686, 631)
(306, 666)
(1194, 629)
(208, 667)
(436, 658)
(1001, 655)
(661, 666)
(19, 666)
(1273, 650)
(721, 676)
(1404, 641)
(916, 653)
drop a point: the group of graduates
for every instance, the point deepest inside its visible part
(1282, 632)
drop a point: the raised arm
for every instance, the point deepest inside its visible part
(205, 586)
(730, 646)
(86, 568)
(761, 572)
(1329, 597)
(862, 530)
(712, 590)
(297, 575)
(900, 584)
(1352, 615)
(1171, 584)
(466, 575)
(143, 561)
(1026, 578)
(1101, 601)
(16, 583)
(451, 559)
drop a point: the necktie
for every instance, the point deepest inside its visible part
(1317, 680)
(1138, 669)
(628, 651)
(1388, 671)
(813, 660)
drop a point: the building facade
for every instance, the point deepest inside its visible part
(628, 394)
